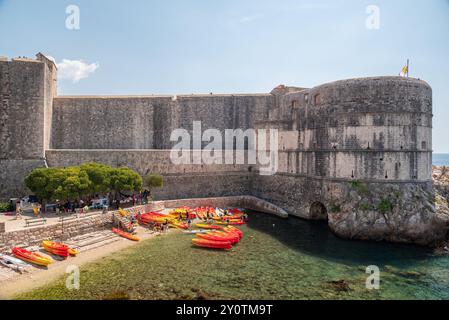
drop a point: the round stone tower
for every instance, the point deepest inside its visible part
(370, 129)
(362, 159)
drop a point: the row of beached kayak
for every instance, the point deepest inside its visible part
(160, 218)
(218, 239)
(55, 248)
(234, 215)
(221, 236)
(36, 258)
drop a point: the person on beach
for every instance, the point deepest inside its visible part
(35, 211)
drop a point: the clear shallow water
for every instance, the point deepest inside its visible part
(294, 259)
(440, 159)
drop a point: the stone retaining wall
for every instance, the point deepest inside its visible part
(247, 202)
(96, 222)
(59, 231)
(62, 231)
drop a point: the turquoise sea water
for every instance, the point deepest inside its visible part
(277, 259)
(440, 159)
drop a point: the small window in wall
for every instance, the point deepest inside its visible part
(295, 104)
(424, 145)
(317, 99)
(306, 97)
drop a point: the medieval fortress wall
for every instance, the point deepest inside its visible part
(345, 148)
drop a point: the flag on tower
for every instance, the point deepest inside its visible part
(404, 71)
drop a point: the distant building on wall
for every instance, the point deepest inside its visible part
(356, 152)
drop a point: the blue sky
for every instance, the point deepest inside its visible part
(197, 46)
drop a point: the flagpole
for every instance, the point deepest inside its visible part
(408, 65)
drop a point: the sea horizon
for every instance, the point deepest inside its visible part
(440, 159)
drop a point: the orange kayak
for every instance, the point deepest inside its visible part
(207, 226)
(232, 237)
(233, 230)
(179, 225)
(32, 257)
(155, 217)
(211, 244)
(124, 234)
(210, 236)
(233, 217)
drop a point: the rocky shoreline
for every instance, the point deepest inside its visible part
(440, 177)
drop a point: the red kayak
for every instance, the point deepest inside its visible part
(215, 238)
(234, 230)
(233, 217)
(58, 249)
(235, 211)
(211, 244)
(236, 223)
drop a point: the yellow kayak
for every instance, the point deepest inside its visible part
(32, 257)
(179, 225)
(207, 226)
(73, 252)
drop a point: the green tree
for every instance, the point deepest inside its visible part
(59, 183)
(125, 179)
(75, 185)
(81, 182)
(99, 175)
(44, 181)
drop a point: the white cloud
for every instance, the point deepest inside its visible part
(75, 70)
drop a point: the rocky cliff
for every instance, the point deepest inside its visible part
(408, 213)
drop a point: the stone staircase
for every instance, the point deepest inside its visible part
(92, 240)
